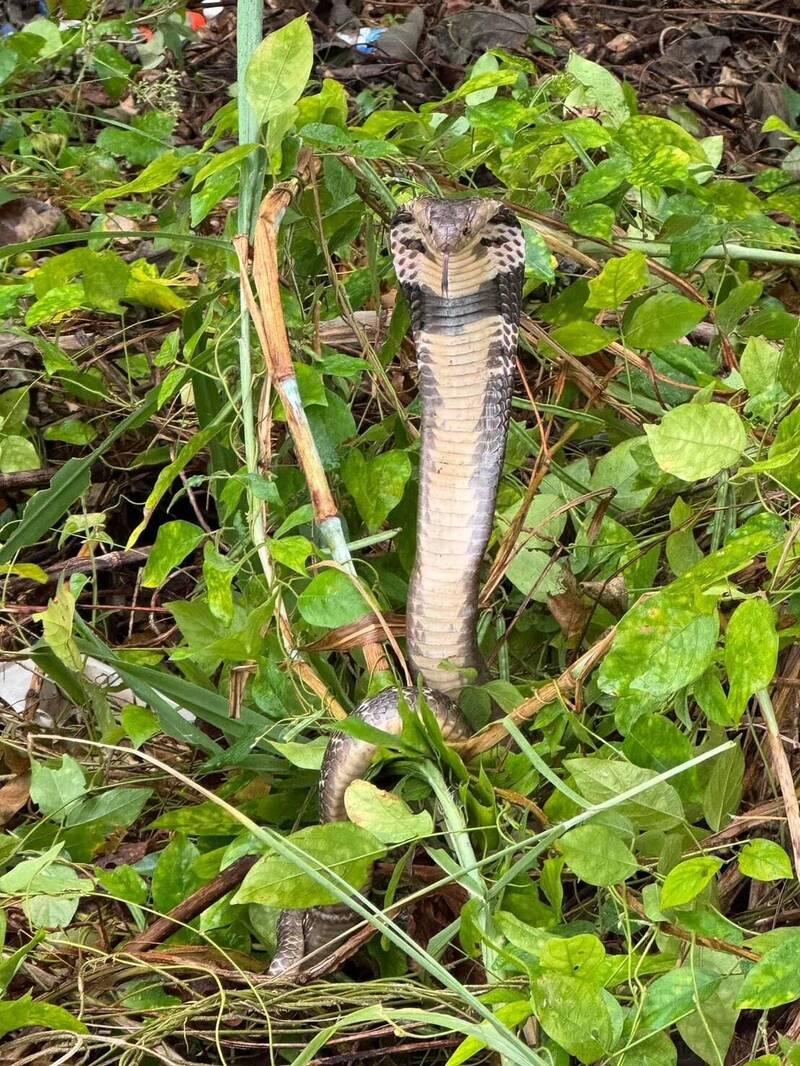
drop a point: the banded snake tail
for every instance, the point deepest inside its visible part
(460, 265)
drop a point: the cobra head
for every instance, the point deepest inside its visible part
(451, 225)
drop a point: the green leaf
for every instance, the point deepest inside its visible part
(728, 313)
(55, 899)
(682, 549)
(751, 652)
(307, 754)
(532, 571)
(117, 808)
(219, 573)
(687, 880)
(602, 88)
(775, 980)
(23, 1013)
(376, 485)
(29, 571)
(597, 856)
(697, 441)
(174, 541)
(510, 1014)
(491, 79)
(332, 426)
(619, 279)
(594, 220)
(203, 819)
(45, 508)
(203, 202)
(682, 624)
(10, 965)
(661, 319)
(141, 142)
(538, 257)
(54, 790)
(14, 408)
(580, 956)
(280, 69)
(331, 600)
(582, 338)
(765, 860)
(156, 175)
(124, 883)
(599, 780)
(575, 1014)
(709, 1030)
(723, 790)
(655, 1050)
(759, 366)
(657, 743)
(620, 469)
(386, 816)
(71, 431)
(292, 552)
(676, 994)
(8, 63)
(171, 471)
(25, 874)
(112, 68)
(775, 124)
(597, 183)
(223, 161)
(339, 846)
(56, 305)
(139, 724)
(173, 877)
(17, 453)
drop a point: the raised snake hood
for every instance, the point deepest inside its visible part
(460, 265)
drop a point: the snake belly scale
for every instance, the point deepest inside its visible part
(460, 264)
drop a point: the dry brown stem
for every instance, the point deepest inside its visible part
(549, 693)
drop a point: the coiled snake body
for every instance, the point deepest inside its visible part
(460, 265)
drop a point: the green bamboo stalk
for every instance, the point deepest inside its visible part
(662, 250)
(249, 21)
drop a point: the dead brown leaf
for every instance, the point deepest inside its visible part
(13, 796)
(26, 219)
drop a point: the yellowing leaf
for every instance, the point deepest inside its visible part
(57, 619)
(751, 652)
(765, 860)
(687, 880)
(696, 441)
(619, 279)
(386, 816)
(338, 846)
(280, 69)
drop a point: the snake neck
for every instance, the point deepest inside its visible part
(465, 340)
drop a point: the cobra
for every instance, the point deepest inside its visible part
(460, 265)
